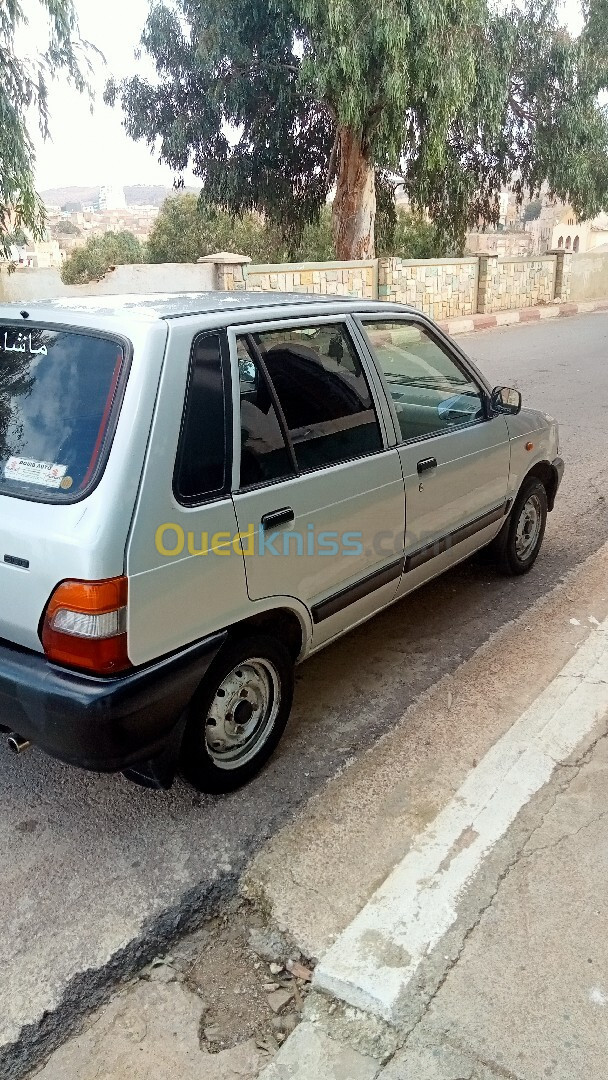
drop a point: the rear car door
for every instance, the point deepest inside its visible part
(185, 577)
(316, 480)
(454, 452)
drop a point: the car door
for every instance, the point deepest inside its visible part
(454, 451)
(315, 478)
(186, 578)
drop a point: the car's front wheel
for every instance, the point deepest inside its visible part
(517, 546)
(238, 714)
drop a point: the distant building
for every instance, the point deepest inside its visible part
(37, 255)
(111, 197)
(540, 232)
(499, 243)
(573, 235)
(138, 220)
(503, 200)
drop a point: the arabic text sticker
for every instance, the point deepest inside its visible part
(28, 471)
(22, 344)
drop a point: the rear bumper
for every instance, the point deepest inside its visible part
(104, 724)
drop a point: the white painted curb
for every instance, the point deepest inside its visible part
(373, 962)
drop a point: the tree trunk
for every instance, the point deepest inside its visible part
(354, 209)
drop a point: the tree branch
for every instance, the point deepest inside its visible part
(520, 112)
(254, 69)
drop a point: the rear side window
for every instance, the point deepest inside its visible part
(58, 396)
(323, 392)
(203, 457)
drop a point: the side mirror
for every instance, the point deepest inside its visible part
(506, 400)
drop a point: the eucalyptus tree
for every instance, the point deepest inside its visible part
(25, 71)
(275, 103)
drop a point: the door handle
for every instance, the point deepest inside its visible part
(427, 464)
(278, 517)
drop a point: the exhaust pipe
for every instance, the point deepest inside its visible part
(17, 743)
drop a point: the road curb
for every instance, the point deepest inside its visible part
(534, 755)
(376, 959)
(475, 323)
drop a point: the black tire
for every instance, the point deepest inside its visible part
(507, 547)
(258, 675)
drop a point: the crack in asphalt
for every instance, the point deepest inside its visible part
(88, 990)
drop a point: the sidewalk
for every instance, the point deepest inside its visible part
(472, 323)
(526, 998)
(529, 995)
(484, 956)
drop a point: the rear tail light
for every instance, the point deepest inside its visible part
(85, 625)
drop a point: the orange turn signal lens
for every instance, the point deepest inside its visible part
(85, 625)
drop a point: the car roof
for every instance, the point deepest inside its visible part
(160, 306)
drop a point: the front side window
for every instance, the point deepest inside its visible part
(58, 397)
(323, 393)
(430, 392)
(201, 470)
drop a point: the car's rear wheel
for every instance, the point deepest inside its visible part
(517, 546)
(238, 714)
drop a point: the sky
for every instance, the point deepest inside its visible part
(92, 148)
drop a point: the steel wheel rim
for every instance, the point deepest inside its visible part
(528, 527)
(243, 713)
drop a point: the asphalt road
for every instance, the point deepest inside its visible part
(97, 874)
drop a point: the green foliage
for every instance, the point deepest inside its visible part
(100, 254)
(17, 237)
(316, 243)
(413, 237)
(24, 93)
(187, 229)
(533, 210)
(66, 228)
(458, 96)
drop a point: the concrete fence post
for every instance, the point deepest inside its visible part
(385, 272)
(486, 282)
(563, 274)
(230, 270)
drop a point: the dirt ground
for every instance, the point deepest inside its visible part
(225, 997)
(240, 970)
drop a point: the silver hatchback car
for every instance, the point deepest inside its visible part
(197, 492)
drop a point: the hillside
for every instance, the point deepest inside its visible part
(135, 194)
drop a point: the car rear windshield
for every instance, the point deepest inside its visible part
(57, 392)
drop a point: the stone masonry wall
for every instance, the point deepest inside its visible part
(516, 283)
(325, 279)
(524, 283)
(442, 288)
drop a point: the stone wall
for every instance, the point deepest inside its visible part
(442, 288)
(519, 283)
(324, 278)
(589, 276)
(142, 278)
